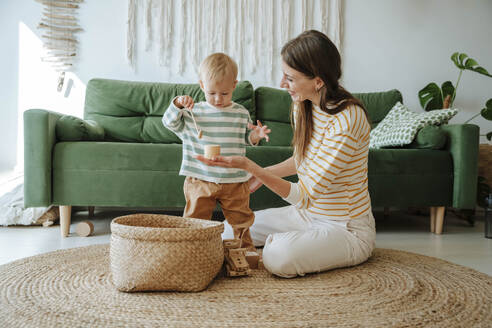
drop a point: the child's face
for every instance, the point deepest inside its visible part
(218, 93)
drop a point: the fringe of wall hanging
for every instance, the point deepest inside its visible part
(248, 30)
(60, 26)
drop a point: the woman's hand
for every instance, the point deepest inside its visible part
(276, 184)
(238, 162)
(254, 184)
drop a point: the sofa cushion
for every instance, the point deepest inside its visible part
(132, 111)
(136, 174)
(71, 128)
(378, 104)
(273, 109)
(400, 126)
(429, 137)
(117, 156)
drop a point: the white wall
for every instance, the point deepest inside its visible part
(386, 44)
(406, 44)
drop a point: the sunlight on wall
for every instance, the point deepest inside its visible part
(38, 86)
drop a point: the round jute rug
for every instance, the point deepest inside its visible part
(72, 288)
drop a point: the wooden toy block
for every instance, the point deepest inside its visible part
(235, 258)
(231, 243)
(232, 273)
(238, 261)
(252, 258)
(84, 228)
(211, 151)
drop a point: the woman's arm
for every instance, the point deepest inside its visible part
(283, 169)
(270, 179)
(275, 183)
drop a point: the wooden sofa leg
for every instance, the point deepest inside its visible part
(440, 218)
(91, 211)
(433, 218)
(65, 218)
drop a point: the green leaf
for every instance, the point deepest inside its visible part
(489, 136)
(462, 58)
(487, 111)
(430, 97)
(481, 70)
(448, 89)
(462, 61)
(470, 62)
(454, 58)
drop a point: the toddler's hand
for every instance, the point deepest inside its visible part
(260, 130)
(184, 101)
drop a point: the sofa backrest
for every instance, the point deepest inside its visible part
(378, 104)
(273, 109)
(132, 111)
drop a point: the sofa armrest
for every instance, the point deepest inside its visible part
(463, 140)
(39, 139)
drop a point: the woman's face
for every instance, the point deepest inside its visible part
(299, 86)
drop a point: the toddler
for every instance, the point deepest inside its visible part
(223, 123)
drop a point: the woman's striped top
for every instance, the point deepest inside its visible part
(333, 174)
(226, 127)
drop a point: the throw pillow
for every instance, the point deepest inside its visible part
(71, 128)
(401, 125)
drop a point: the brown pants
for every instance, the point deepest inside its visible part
(202, 197)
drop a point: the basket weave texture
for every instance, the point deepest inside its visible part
(151, 252)
(485, 162)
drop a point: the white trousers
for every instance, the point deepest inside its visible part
(296, 244)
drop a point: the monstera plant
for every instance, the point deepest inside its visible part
(434, 97)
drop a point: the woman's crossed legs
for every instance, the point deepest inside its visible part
(295, 244)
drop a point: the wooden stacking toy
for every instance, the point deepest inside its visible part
(212, 151)
(84, 228)
(235, 259)
(253, 259)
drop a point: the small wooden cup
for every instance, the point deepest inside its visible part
(253, 258)
(212, 151)
(84, 228)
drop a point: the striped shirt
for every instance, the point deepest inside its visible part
(333, 174)
(226, 127)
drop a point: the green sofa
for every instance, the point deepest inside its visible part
(137, 162)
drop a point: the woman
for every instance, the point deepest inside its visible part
(330, 223)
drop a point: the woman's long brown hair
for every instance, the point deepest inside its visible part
(314, 55)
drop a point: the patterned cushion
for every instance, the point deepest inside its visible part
(401, 125)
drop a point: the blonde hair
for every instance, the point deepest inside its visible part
(217, 66)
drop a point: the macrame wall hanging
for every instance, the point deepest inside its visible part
(60, 26)
(250, 31)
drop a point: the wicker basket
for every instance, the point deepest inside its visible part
(162, 252)
(485, 162)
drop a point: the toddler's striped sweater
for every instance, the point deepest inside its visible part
(226, 127)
